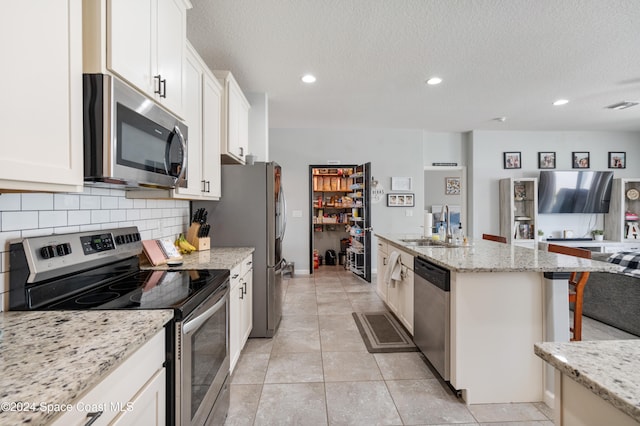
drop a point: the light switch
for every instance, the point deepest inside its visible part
(408, 212)
(296, 213)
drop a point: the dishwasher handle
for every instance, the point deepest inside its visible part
(432, 273)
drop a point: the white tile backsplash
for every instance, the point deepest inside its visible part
(37, 214)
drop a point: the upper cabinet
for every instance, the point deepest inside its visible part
(235, 121)
(42, 90)
(141, 41)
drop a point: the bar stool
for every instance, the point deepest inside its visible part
(497, 238)
(576, 286)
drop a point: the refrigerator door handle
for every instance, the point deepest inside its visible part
(284, 213)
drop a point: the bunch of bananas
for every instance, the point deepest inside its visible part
(183, 245)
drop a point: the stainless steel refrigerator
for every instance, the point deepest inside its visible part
(251, 213)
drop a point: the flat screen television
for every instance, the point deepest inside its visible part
(574, 191)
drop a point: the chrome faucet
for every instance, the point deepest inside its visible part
(447, 220)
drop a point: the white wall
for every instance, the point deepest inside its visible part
(259, 126)
(486, 157)
(35, 214)
(391, 153)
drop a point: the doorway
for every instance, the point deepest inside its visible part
(446, 186)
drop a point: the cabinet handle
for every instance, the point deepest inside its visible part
(158, 91)
(241, 151)
(235, 276)
(241, 293)
(164, 88)
(244, 290)
(93, 417)
(204, 185)
(208, 186)
(384, 260)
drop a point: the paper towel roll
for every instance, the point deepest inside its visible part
(428, 224)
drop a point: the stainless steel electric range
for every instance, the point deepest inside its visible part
(100, 270)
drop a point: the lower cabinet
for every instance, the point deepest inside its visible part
(240, 308)
(399, 297)
(133, 394)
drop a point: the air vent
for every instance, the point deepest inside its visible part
(622, 105)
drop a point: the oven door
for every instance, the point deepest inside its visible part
(204, 359)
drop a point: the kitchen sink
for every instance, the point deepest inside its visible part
(423, 242)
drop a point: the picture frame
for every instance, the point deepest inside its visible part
(617, 160)
(401, 183)
(547, 160)
(580, 160)
(452, 186)
(400, 200)
(519, 191)
(512, 160)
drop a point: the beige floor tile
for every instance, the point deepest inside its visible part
(298, 323)
(250, 369)
(292, 404)
(360, 403)
(294, 368)
(332, 297)
(295, 298)
(368, 307)
(300, 308)
(332, 308)
(243, 404)
(258, 345)
(337, 322)
(403, 365)
(545, 409)
(297, 341)
(485, 413)
(427, 402)
(341, 341)
(349, 367)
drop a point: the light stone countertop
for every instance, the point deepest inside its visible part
(608, 368)
(216, 258)
(53, 357)
(489, 256)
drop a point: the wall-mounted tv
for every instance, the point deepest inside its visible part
(574, 191)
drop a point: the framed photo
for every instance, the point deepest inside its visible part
(519, 191)
(400, 200)
(400, 183)
(512, 160)
(452, 186)
(580, 160)
(546, 160)
(617, 160)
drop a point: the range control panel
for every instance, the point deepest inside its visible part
(56, 254)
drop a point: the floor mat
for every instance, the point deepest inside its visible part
(381, 333)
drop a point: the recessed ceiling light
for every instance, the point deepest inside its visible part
(434, 80)
(500, 119)
(309, 78)
(561, 102)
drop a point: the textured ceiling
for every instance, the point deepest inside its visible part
(498, 58)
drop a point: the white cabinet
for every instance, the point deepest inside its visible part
(235, 120)
(41, 87)
(519, 210)
(383, 260)
(623, 199)
(240, 308)
(140, 41)
(203, 102)
(134, 393)
(400, 293)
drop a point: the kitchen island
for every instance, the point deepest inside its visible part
(49, 359)
(596, 382)
(500, 304)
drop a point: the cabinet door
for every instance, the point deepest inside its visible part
(247, 313)
(129, 41)
(235, 320)
(211, 116)
(233, 121)
(41, 86)
(193, 115)
(405, 301)
(170, 42)
(149, 403)
(382, 271)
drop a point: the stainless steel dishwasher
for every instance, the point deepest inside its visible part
(431, 314)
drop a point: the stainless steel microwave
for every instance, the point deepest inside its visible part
(128, 139)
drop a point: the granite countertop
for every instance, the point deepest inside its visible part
(216, 258)
(54, 357)
(490, 256)
(608, 368)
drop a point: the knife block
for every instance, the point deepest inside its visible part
(200, 244)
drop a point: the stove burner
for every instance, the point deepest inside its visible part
(92, 299)
(136, 298)
(125, 286)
